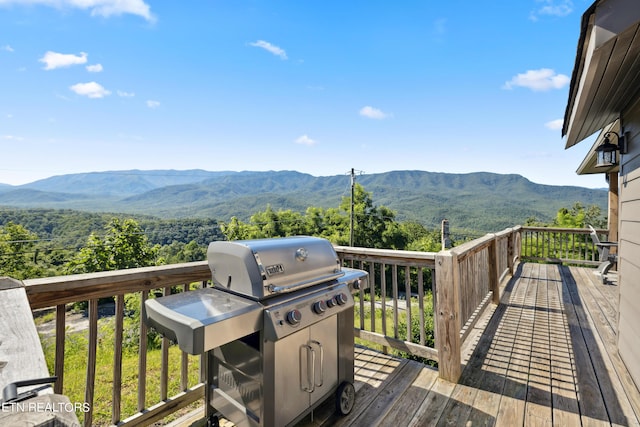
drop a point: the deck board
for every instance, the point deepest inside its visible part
(546, 357)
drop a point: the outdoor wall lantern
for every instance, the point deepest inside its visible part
(607, 153)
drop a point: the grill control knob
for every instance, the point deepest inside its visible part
(341, 299)
(331, 302)
(294, 317)
(319, 307)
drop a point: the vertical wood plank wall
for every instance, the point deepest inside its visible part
(629, 245)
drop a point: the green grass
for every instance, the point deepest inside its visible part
(402, 324)
(76, 373)
(44, 316)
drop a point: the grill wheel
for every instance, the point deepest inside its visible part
(345, 398)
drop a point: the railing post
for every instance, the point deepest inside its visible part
(447, 316)
(516, 246)
(510, 250)
(494, 274)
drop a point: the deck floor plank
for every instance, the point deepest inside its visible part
(403, 411)
(512, 403)
(538, 407)
(607, 363)
(369, 381)
(390, 393)
(566, 411)
(590, 398)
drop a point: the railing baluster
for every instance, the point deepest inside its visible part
(117, 359)
(407, 287)
(361, 293)
(395, 299)
(184, 360)
(421, 305)
(372, 294)
(61, 314)
(91, 361)
(142, 357)
(164, 364)
(383, 301)
(202, 366)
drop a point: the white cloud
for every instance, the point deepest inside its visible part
(538, 80)
(554, 124)
(91, 90)
(305, 140)
(104, 8)
(12, 138)
(153, 104)
(6, 47)
(55, 60)
(558, 8)
(97, 68)
(373, 113)
(270, 48)
(124, 94)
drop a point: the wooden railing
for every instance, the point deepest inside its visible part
(560, 245)
(444, 290)
(450, 289)
(396, 279)
(60, 291)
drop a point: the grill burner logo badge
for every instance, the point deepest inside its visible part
(302, 254)
(274, 269)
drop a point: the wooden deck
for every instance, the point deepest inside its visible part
(547, 357)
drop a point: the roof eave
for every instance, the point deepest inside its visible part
(606, 73)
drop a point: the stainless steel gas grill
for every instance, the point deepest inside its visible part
(276, 327)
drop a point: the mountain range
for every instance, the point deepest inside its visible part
(479, 201)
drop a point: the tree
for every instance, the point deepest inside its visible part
(421, 239)
(124, 246)
(179, 252)
(579, 217)
(17, 251)
(374, 227)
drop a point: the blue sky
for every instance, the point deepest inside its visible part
(315, 86)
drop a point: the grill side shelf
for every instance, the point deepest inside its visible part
(203, 319)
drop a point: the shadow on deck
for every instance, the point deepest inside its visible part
(547, 355)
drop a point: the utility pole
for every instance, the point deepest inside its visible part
(353, 184)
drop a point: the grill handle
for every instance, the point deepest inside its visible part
(279, 289)
(321, 364)
(310, 374)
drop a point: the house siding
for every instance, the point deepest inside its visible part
(629, 245)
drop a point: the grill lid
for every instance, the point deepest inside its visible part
(265, 267)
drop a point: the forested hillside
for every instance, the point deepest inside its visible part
(69, 228)
(480, 202)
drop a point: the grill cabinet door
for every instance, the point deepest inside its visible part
(323, 340)
(305, 369)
